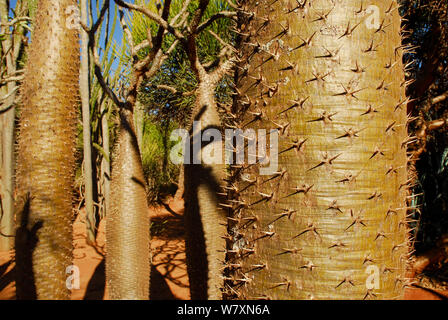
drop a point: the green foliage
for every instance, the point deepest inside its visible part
(160, 173)
(174, 109)
(32, 6)
(164, 109)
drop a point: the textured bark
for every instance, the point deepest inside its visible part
(127, 220)
(46, 161)
(204, 219)
(336, 209)
(8, 118)
(139, 120)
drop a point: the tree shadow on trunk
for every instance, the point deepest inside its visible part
(25, 242)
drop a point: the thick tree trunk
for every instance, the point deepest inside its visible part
(127, 220)
(46, 161)
(331, 222)
(87, 145)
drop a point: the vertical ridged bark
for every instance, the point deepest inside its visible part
(204, 219)
(329, 76)
(127, 219)
(46, 161)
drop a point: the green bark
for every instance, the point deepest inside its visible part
(329, 76)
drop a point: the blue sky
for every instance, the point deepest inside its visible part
(118, 34)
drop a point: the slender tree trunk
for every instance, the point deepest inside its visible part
(180, 184)
(105, 162)
(8, 118)
(85, 105)
(46, 160)
(204, 218)
(330, 223)
(4, 243)
(165, 130)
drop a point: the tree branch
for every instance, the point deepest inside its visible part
(440, 98)
(151, 15)
(208, 22)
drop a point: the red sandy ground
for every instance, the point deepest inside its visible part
(169, 279)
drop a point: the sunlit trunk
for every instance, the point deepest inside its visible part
(331, 222)
(87, 138)
(46, 154)
(127, 219)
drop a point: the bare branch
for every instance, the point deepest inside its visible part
(127, 33)
(5, 97)
(166, 87)
(151, 15)
(440, 98)
(234, 6)
(99, 74)
(223, 69)
(14, 21)
(143, 45)
(436, 124)
(101, 16)
(222, 42)
(208, 22)
(11, 79)
(198, 16)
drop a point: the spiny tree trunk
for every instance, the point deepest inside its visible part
(87, 145)
(127, 220)
(332, 219)
(46, 161)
